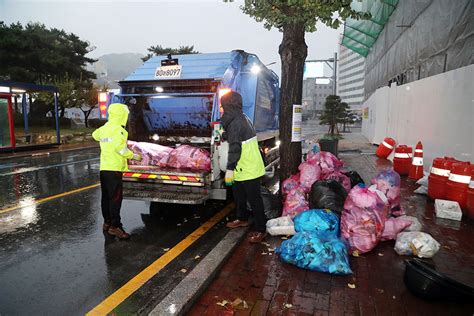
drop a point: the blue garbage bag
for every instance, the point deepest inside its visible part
(317, 220)
(321, 252)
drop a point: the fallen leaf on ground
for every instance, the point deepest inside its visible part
(380, 291)
(165, 249)
(270, 254)
(236, 302)
(265, 244)
(355, 253)
(271, 249)
(352, 286)
(288, 306)
(446, 247)
(184, 270)
(380, 254)
(246, 305)
(223, 303)
(264, 253)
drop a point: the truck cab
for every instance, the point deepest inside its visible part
(175, 100)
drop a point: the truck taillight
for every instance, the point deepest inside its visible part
(222, 92)
(103, 104)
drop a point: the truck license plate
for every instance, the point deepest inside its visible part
(168, 72)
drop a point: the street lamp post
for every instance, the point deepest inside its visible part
(333, 67)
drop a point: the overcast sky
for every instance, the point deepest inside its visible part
(122, 26)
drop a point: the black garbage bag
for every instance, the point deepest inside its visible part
(271, 204)
(355, 178)
(327, 194)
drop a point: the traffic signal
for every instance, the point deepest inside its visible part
(103, 104)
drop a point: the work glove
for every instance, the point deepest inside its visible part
(137, 157)
(229, 177)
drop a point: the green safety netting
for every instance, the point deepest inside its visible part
(360, 35)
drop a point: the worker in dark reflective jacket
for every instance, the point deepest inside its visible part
(245, 166)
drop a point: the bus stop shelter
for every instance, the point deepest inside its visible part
(21, 127)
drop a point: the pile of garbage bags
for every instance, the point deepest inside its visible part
(321, 168)
(181, 157)
(316, 245)
(339, 215)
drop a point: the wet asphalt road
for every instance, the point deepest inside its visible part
(54, 257)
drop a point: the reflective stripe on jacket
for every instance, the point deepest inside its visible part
(113, 140)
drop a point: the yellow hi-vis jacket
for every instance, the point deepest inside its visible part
(250, 165)
(113, 140)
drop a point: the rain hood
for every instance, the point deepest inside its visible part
(118, 114)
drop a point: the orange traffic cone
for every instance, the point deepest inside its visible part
(416, 170)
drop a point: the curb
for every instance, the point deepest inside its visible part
(183, 296)
(45, 153)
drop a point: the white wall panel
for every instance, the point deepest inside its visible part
(438, 110)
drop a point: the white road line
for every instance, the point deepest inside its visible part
(23, 170)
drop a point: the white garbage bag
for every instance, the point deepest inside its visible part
(281, 226)
(418, 244)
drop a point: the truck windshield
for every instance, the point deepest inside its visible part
(170, 115)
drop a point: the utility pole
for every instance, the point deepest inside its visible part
(334, 74)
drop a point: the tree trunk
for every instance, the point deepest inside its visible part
(87, 113)
(293, 52)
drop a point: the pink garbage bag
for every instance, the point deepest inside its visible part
(393, 226)
(133, 146)
(291, 183)
(325, 160)
(338, 176)
(363, 219)
(388, 181)
(309, 173)
(295, 203)
(151, 153)
(188, 157)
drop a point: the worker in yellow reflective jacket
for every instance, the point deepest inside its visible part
(113, 162)
(245, 166)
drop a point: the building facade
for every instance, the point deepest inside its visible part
(350, 78)
(314, 95)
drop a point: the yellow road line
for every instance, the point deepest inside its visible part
(136, 282)
(9, 209)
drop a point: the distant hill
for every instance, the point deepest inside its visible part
(112, 67)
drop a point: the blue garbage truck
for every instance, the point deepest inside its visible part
(175, 100)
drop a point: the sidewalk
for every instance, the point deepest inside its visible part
(46, 151)
(270, 287)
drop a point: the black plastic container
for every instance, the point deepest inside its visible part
(425, 282)
(329, 145)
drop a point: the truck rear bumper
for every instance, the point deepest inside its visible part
(156, 192)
